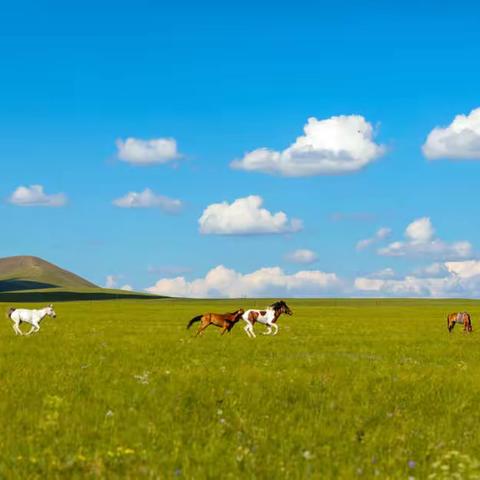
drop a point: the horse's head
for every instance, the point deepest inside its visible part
(282, 307)
(51, 311)
(238, 314)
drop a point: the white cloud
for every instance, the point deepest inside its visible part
(148, 199)
(384, 273)
(111, 281)
(34, 196)
(302, 255)
(265, 282)
(460, 140)
(147, 152)
(465, 269)
(420, 231)
(245, 217)
(380, 234)
(441, 280)
(434, 270)
(409, 286)
(421, 241)
(336, 145)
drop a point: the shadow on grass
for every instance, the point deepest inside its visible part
(65, 296)
(16, 284)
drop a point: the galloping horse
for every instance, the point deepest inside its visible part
(225, 321)
(459, 317)
(33, 317)
(268, 317)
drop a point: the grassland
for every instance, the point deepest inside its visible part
(348, 389)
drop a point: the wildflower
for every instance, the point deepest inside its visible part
(143, 378)
(109, 414)
(308, 455)
(412, 464)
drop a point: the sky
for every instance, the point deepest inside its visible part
(206, 149)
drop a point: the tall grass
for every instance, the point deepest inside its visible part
(348, 389)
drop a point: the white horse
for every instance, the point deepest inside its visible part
(33, 317)
(268, 317)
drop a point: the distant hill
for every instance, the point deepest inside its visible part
(32, 279)
(26, 273)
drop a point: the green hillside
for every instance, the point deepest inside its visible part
(26, 273)
(32, 279)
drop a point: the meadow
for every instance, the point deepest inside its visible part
(347, 389)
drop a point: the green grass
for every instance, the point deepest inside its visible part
(348, 389)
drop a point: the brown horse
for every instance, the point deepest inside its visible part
(225, 321)
(459, 317)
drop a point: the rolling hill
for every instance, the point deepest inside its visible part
(32, 279)
(26, 273)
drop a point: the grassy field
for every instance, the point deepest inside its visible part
(348, 389)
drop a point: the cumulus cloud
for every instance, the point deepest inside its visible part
(459, 140)
(148, 199)
(421, 241)
(464, 269)
(336, 145)
(302, 255)
(245, 217)
(265, 282)
(34, 196)
(127, 288)
(380, 234)
(441, 280)
(147, 152)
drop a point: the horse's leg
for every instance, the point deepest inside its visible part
(275, 327)
(249, 330)
(202, 327)
(32, 328)
(16, 329)
(268, 330)
(224, 329)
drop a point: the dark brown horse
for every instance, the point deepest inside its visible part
(459, 317)
(225, 321)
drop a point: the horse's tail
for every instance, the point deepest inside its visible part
(193, 320)
(9, 313)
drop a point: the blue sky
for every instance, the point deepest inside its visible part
(223, 81)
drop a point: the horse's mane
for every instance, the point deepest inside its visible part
(277, 305)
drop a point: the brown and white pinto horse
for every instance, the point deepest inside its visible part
(459, 317)
(268, 317)
(225, 321)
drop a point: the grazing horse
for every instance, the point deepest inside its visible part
(225, 321)
(459, 317)
(33, 317)
(268, 317)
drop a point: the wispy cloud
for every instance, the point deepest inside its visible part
(148, 199)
